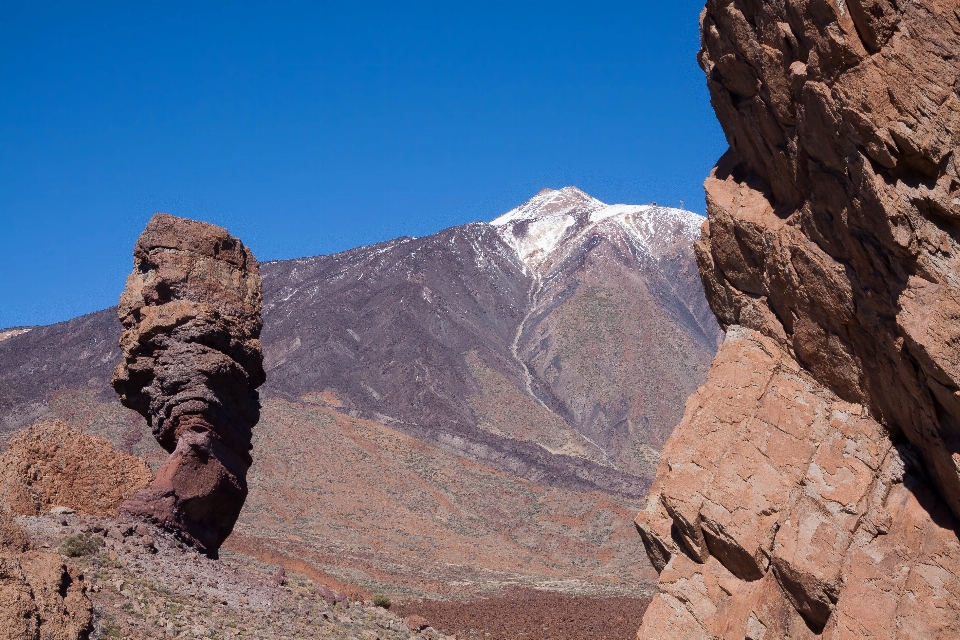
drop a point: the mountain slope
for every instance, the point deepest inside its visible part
(491, 340)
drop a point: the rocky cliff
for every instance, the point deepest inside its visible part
(191, 364)
(813, 486)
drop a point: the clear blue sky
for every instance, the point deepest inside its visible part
(311, 127)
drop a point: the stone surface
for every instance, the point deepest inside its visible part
(144, 584)
(55, 467)
(192, 361)
(780, 510)
(41, 598)
(834, 218)
(812, 488)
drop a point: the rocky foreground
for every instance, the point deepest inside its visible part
(812, 489)
(131, 580)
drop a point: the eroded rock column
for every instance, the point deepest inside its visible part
(191, 314)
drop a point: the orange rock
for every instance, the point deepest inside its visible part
(819, 467)
(51, 464)
(780, 509)
(834, 218)
(42, 598)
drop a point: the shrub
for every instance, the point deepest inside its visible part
(381, 600)
(82, 544)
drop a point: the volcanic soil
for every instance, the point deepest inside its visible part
(535, 615)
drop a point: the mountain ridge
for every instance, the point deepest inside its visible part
(458, 314)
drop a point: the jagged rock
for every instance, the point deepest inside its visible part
(780, 510)
(41, 598)
(192, 363)
(55, 466)
(416, 623)
(788, 502)
(834, 219)
(12, 536)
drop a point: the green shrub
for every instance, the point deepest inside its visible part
(82, 544)
(381, 600)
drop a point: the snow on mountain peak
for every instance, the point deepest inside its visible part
(550, 202)
(539, 226)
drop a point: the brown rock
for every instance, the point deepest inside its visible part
(41, 598)
(192, 363)
(416, 623)
(793, 514)
(52, 465)
(12, 537)
(834, 218)
(788, 502)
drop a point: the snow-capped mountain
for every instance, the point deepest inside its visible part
(552, 218)
(557, 342)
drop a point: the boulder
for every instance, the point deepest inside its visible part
(41, 597)
(56, 468)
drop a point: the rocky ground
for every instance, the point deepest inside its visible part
(142, 583)
(527, 614)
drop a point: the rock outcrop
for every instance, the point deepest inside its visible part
(41, 598)
(191, 314)
(782, 511)
(49, 465)
(813, 486)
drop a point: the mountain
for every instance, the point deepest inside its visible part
(492, 340)
(550, 350)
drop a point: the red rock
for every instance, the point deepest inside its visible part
(192, 363)
(416, 623)
(41, 597)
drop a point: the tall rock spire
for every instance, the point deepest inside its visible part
(192, 361)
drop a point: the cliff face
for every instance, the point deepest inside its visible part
(813, 486)
(192, 361)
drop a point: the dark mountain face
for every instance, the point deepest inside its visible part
(557, 343)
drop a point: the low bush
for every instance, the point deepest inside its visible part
(82, 544)
(381, 600)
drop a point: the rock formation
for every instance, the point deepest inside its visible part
(813, 486)
(41, 598)
(191, 364)
(51, 464)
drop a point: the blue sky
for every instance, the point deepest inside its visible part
(310, 127)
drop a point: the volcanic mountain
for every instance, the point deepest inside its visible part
(566, 327)
(550, 350)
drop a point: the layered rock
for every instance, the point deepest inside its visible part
(834, 219)
(192, 361)
(813, 486)
(51, 464)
